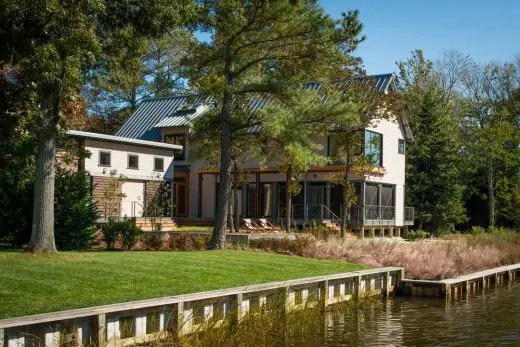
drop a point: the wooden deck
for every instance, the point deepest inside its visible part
(465, 284)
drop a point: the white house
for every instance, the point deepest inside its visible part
(380, 193)
(144, 165)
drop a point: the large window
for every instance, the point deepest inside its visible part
(374, 147)
(332, 149)
(266, 199)
(177, 140)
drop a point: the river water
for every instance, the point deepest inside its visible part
(483, 319)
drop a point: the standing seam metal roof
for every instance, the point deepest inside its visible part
(145, 123)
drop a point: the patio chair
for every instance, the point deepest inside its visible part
(251, 226)
(264, 223)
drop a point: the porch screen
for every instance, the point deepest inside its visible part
(371, 201)
(251, 200)
(387, 202)
(266, 200)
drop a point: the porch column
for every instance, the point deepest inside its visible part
(257, 181)
(328, 199)
(199, 196)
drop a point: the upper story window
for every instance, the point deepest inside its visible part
(104, 158)
(133, 161)
(158, 164)
(332, 146)
(373, 146)
(402, 147)
(177, 140)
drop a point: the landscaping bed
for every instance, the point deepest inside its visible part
(38, 283)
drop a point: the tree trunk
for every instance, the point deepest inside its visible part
(235, 203)
(230, 217)
(491, 195)
(346, 201)
(344, 217)
(288, 207)
(224, 192)
(42, 235)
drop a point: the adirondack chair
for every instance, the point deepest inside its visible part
(264, 223)
(250, 225)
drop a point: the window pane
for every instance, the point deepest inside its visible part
(373, 147)
(104, 158)
(333, 147)
(401, 146)
(133, 161)
(159, 164)
(251, 200)
(177, 140)
(267, 199)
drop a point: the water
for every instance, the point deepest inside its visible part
(490, 319)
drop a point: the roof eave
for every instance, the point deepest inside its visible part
(119, 139)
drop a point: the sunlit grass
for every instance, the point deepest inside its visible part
(40, 283)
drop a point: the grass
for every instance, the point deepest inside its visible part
(38, 283)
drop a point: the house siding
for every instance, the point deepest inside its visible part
(119, 160)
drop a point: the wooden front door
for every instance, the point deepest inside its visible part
(181, 195)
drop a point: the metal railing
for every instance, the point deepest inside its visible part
(333, 216)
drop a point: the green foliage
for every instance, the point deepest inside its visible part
(434, 165)
(111, 231)
(130, 233)
(185, 242)
(417, 234)
(75, 213)
(153, 240)
(477, 230)
(120, 230)
(16, 188)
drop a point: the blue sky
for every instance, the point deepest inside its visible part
(486, 30)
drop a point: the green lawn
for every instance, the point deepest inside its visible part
(33, 284)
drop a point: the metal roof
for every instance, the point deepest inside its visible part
(112, 138)
(152, 115)
(182, 120)
(140, 124)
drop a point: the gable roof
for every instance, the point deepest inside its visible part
(146, 122)
(140, 124)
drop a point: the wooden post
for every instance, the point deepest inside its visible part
(2, 337)
(357, 286)
(372, 232)
(101, 327)
(386, 285)
(325, 299)
(180, 318)
(362, 232)
(240, 313)
(391, 231)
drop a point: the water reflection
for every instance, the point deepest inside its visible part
(488, 319)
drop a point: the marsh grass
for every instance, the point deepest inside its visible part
(450, 256)
(269, 325)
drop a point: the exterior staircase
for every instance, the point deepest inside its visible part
(146, 224)
(186, 221)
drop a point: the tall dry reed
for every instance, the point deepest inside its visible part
(423, 259)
